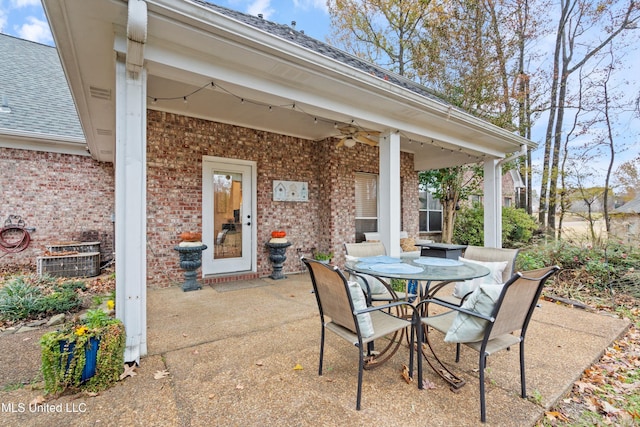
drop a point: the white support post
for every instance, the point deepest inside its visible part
(131, 205)
(389, 193)
(492, 204)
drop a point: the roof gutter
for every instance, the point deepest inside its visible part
(522, 152)
(136, 35)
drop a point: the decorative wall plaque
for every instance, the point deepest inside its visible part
(290, 191)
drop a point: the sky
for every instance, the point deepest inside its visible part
(26, 19)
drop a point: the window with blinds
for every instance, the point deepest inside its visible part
(366, 204)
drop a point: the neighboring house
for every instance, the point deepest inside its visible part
(625, 222)
(201, 118)
(47, 177)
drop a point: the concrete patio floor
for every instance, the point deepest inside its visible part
(230, 353)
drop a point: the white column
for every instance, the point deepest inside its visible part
(492, 204)
(131, 205)
(389, 193)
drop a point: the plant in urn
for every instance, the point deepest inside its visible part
(190, 249)
(277, 253)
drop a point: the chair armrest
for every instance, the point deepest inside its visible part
(384, 307)
(454, 308)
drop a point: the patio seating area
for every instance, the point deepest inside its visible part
(247, 354)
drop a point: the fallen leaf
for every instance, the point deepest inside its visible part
(129, 371)
(160, 374)
(406, 374)
(26, 339)
(184, 335)
(428, 385)
(212, 396)
(259, 363)
(37, 401)
(609, 408)
(555, 415)
(298, 367)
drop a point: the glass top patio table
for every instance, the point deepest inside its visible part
(423, 269)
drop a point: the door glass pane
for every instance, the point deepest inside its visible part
(227, 214)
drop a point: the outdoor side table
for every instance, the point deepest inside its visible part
(441, 250)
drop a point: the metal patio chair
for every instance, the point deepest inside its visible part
(498, 320)
(482, 254)
(376, 289)
(350, 317)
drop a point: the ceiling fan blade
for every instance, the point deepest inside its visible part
(365, 140)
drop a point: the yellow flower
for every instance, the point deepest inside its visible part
(110, 304)
(81, 330)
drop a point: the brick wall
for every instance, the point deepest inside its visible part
(70, 197)
(65, 197)
(175, 147)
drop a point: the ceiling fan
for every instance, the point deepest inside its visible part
(352, 134)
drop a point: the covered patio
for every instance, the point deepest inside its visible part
(230, 351)
(174, 91)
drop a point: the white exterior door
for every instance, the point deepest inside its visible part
(228, 212)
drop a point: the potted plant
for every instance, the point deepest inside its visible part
(87, 354)
(323, 257)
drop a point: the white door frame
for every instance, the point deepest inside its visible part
(208, 237)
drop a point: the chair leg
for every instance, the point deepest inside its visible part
(523, 383)
(411, 347)
(457, 352)
(321, 351)
(360, 370)
(483, 409)
(418, 333)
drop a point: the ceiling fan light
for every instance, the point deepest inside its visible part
(349, 142)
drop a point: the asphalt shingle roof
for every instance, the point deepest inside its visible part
(36, 90)
(298, 37)
(630, 207)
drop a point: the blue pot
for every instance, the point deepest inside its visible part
(91, 355)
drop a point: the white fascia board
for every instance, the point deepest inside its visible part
(41, 142)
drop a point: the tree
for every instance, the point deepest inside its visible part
(627, 179)
(384, 32)
(450, 185)
(575, 45)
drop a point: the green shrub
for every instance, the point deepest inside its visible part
(19, 300)
(517, 227)
(601, 265)
(59, 302)
(29, 296)
(469, 226)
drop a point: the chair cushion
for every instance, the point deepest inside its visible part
(493, 278)
(376, 286)
(467, 328)
(360, 303)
